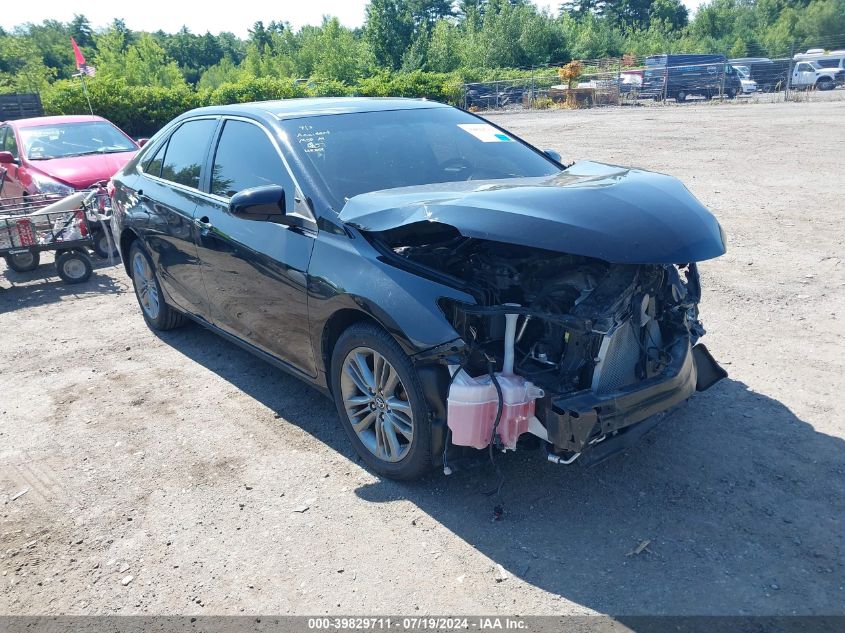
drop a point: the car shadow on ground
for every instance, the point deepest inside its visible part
(43, 285)
(733, 505)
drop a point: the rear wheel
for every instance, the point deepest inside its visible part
(380, 402)
(157, 313)
(23, 262)
(74, 267)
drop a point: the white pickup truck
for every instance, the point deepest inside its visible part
(809, 74)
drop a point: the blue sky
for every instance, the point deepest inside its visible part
(152, 15)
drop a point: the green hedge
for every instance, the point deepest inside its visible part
(139, 110)
(142, 110)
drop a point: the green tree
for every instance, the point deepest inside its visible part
(443, 47)
(389, 30)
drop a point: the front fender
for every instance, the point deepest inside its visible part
(348, 273)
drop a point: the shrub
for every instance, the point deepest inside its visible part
(138, 110)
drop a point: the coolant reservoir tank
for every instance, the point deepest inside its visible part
(473, 403)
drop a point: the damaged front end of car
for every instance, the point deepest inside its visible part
(581, 344)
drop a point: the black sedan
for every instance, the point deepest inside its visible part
(446, 283)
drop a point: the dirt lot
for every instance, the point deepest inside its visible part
(181, 461)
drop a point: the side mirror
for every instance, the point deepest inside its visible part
(143, 141)
(552, 154)
(263, 204)
(7, 158)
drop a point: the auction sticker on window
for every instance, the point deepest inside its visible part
(485, 132)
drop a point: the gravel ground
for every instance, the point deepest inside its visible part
(177, 474)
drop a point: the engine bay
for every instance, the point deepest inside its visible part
(569, 308)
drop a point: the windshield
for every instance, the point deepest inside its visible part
(370, 151)
(73, 139)
(743, 71)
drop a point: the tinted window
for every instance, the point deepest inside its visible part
(370, 151)
(828, 63)
(186, 152)
(246, 158)
(152, 165)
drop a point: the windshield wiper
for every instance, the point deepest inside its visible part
(88, 153)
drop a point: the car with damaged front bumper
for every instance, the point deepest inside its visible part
(446, 283)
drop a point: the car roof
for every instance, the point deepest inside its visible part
(320, 106)
(53, 120)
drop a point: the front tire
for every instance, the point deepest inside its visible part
(681, 96)
(23, 262)
(380, 402)
(157, 313)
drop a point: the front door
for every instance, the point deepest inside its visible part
(255, 272)
(803, 75)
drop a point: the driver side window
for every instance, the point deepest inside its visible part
(246, 158)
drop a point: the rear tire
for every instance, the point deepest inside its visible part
(374, 382)
(156, 311)
(23, 262)
(74, 267)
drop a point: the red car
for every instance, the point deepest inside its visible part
(61, 154)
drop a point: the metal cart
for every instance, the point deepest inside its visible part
(45, 222)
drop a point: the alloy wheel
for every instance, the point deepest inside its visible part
(376, 403)
(145, 285)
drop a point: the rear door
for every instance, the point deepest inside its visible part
(255, 272)
(168, 193)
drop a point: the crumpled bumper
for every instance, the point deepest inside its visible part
(575, 421)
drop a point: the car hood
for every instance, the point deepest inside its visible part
(612, 213)
(83, 171)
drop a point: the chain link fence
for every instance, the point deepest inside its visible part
(804, 72)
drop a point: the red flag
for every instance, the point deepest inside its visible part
(80, 60)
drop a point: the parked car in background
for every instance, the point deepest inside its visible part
(630, 82)
(748, 85)
(681, 76)
(809, 74)
(494, 94)
(769, 74)
(60, 155)
(427, 269)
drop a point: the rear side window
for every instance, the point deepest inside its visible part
(828, 63)
(246, 158)
(186, 152)
(153, 165)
